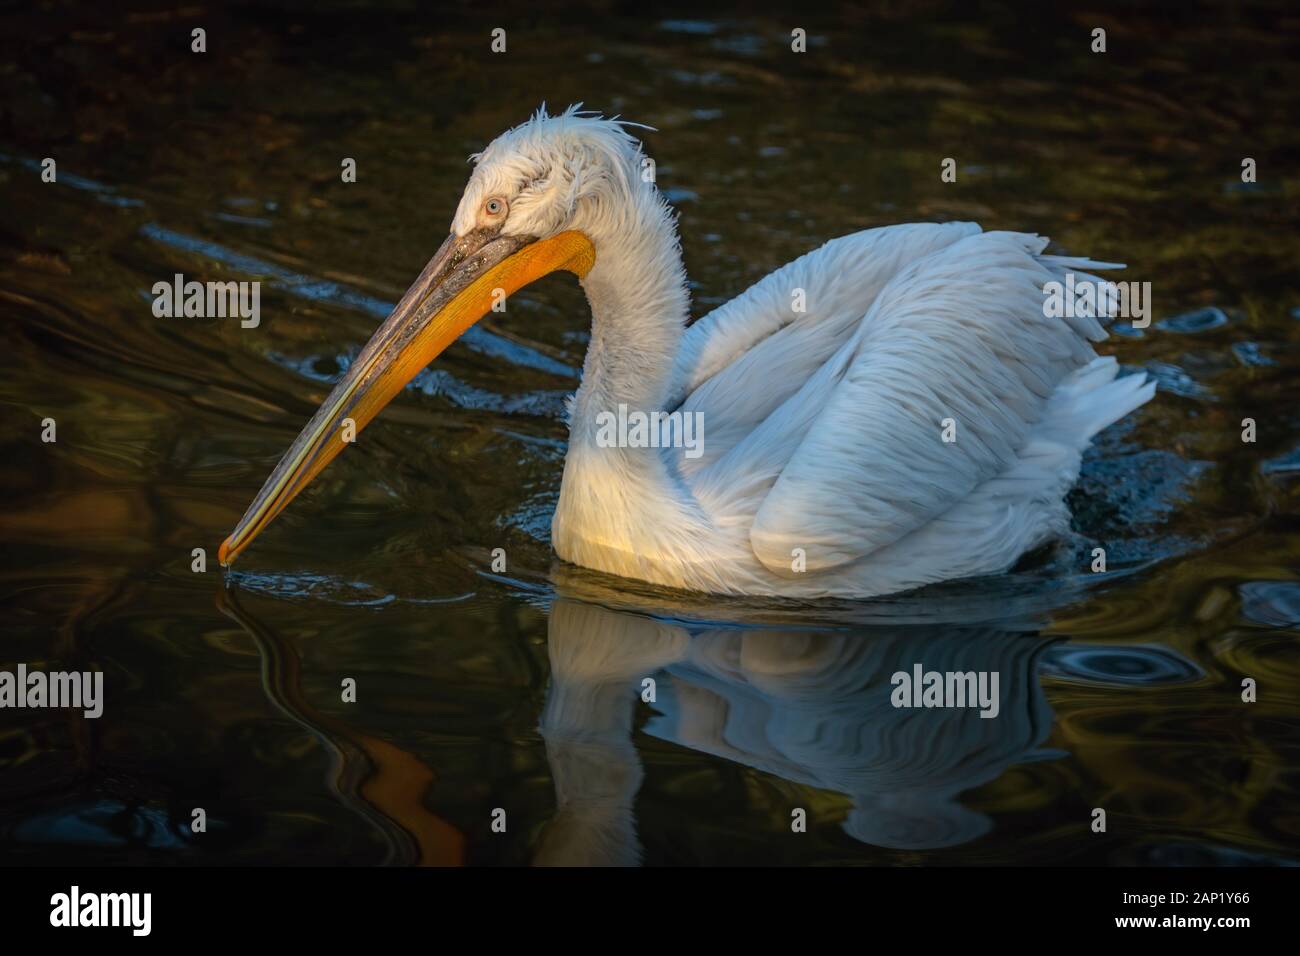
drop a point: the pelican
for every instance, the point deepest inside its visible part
(892, 409)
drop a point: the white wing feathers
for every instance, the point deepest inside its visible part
(743, 360)
(845, 274)
(835, 420)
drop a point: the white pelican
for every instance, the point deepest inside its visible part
(824, 468)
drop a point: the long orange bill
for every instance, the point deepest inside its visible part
(466, 276)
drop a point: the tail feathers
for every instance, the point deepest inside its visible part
(1090, 400)
(1072, 263)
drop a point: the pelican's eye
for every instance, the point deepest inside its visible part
(495, 207)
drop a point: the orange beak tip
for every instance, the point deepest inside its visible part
(223, 554)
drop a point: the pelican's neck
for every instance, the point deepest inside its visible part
(639, 305)
(623, 507)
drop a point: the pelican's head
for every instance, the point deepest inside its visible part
(540, 198)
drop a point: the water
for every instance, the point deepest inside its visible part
(522, 690)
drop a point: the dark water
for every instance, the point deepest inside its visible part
(521, 690)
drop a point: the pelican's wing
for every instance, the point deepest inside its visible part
(956, 345)
(740, 362)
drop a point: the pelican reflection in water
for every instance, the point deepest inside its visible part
(801, 695)
(809, 705)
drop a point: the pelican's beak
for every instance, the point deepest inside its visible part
(459, 285)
